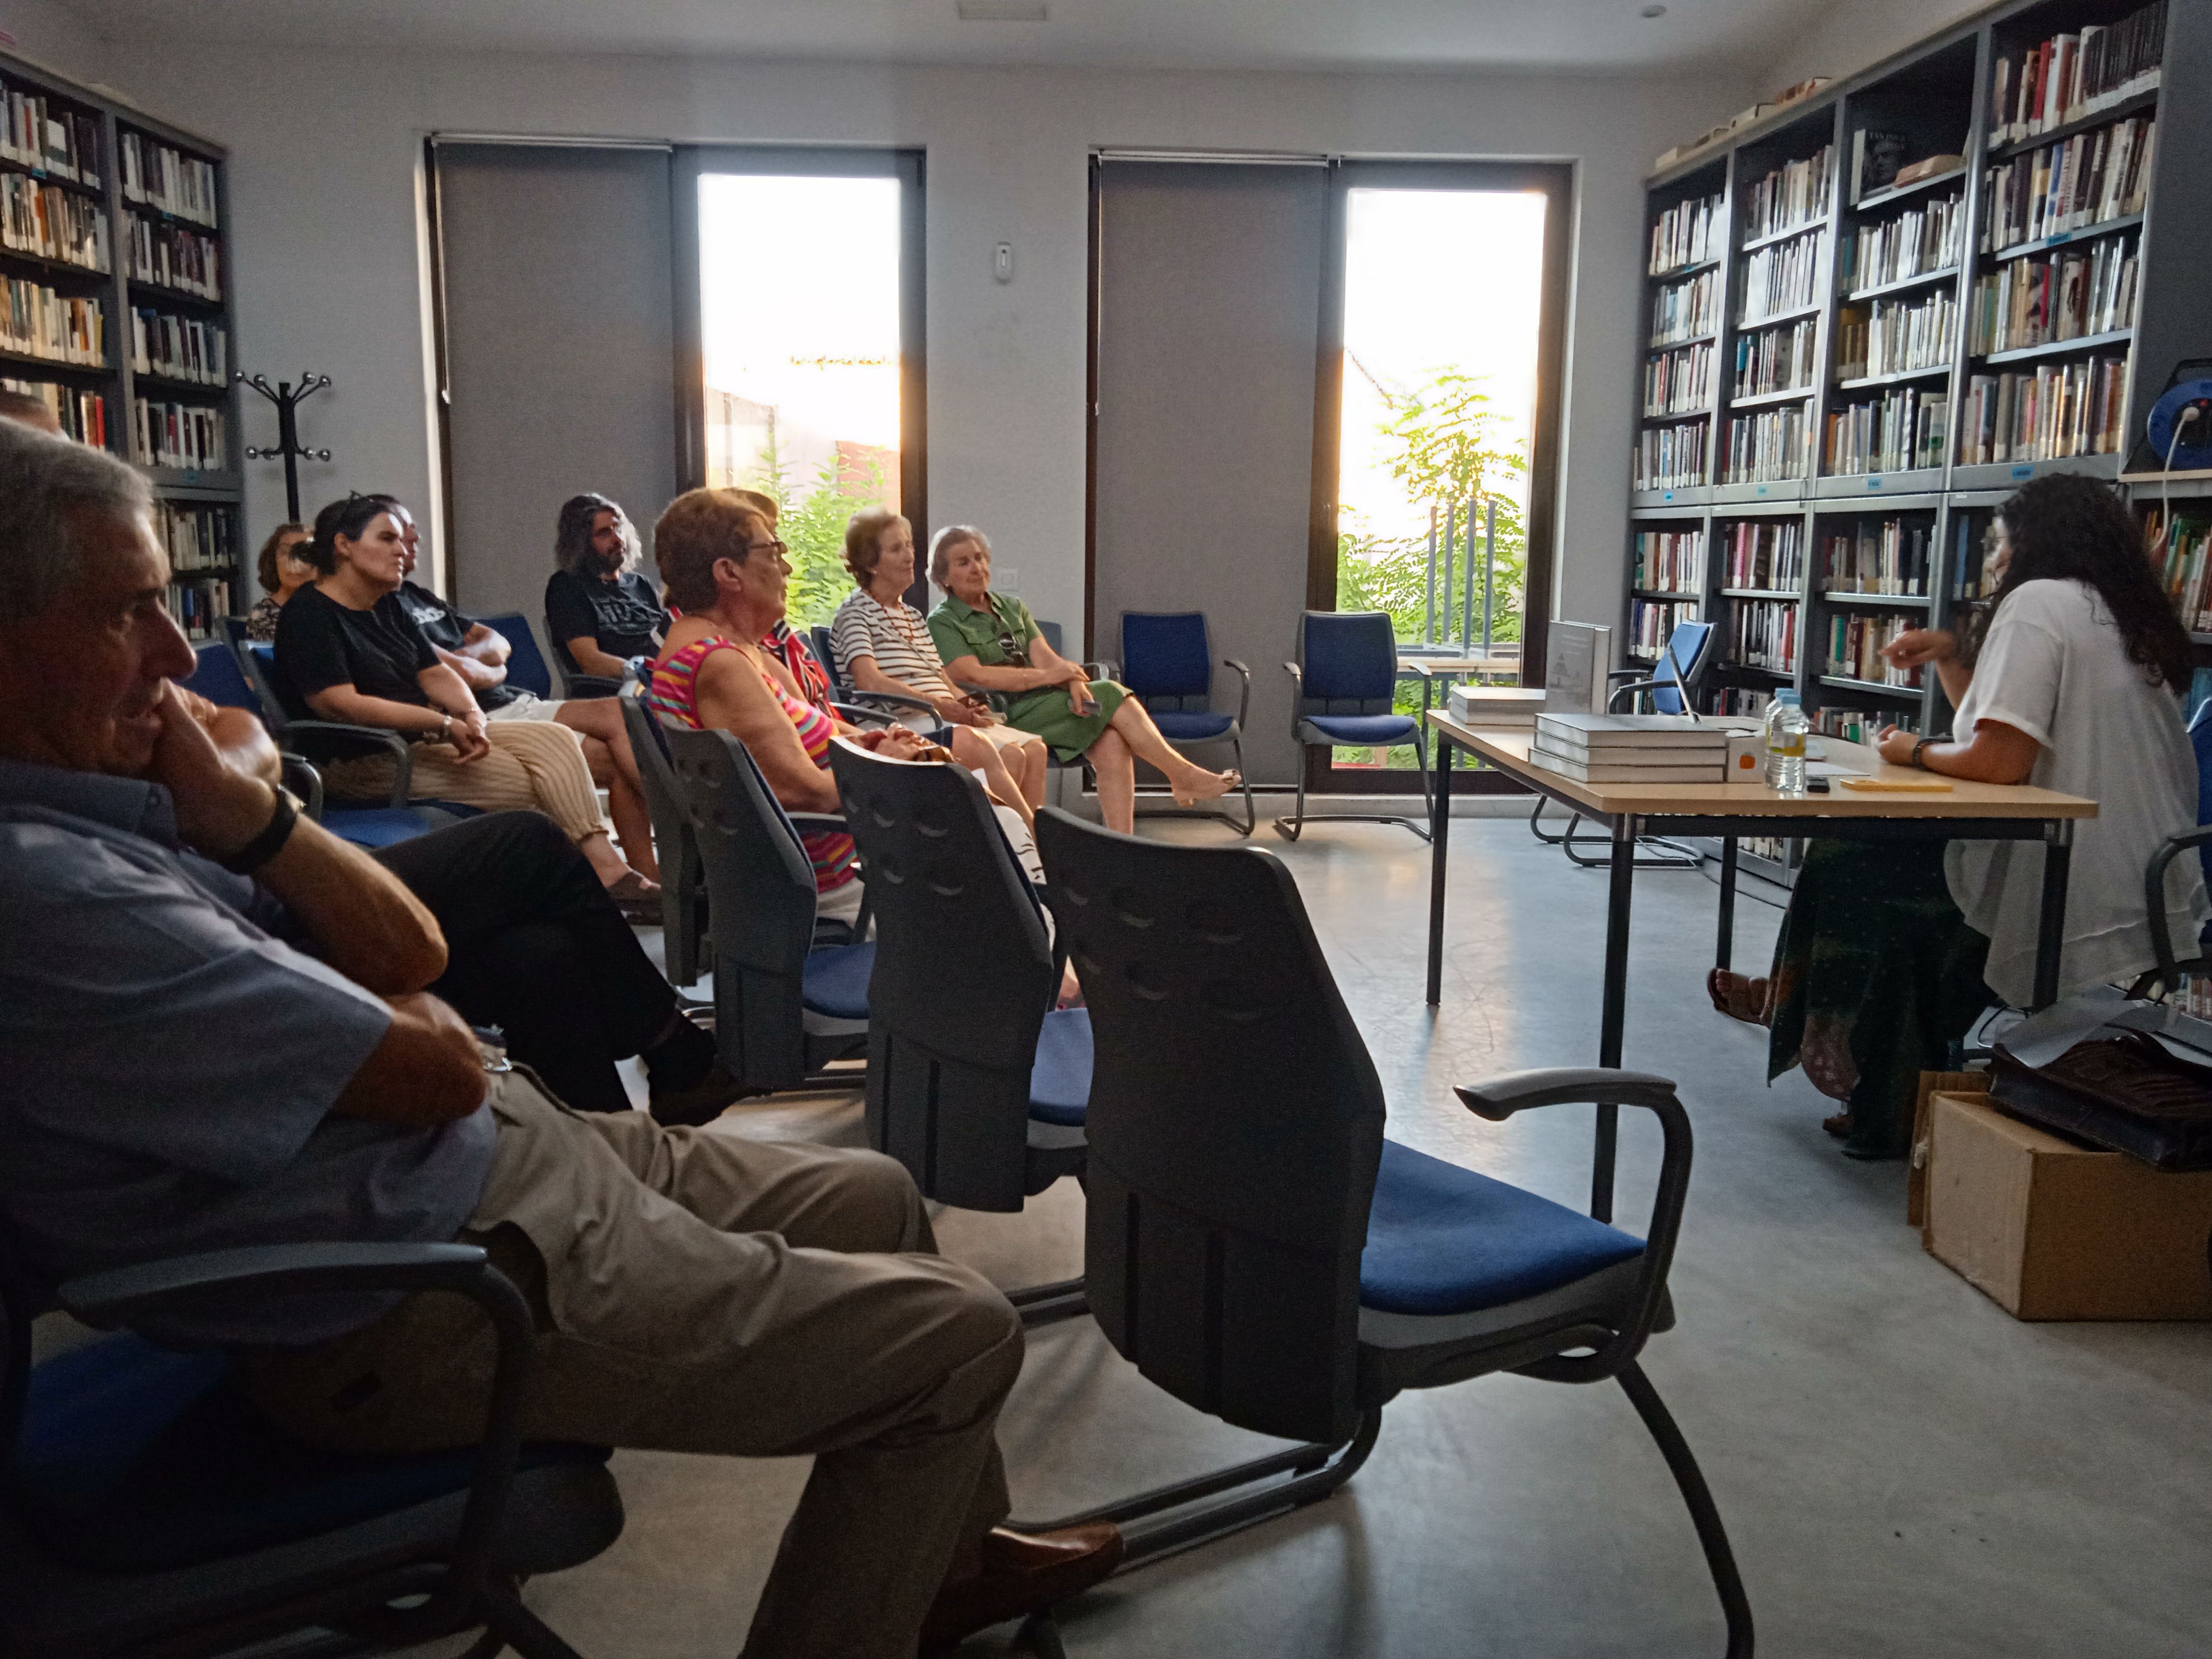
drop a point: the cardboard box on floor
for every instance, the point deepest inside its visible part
(2051, 1229)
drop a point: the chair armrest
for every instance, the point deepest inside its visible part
(818, 823)
(584, 688)
(303, 780)
(2161, 935)
(335, 740)
(1103, 670)
(1498, 1097)
(1612, 674)
(1244, 693)
(890, 700)
(1631, 692)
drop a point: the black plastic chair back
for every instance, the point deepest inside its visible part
(760, 892)
(825, 653)
(964, 977)
(1235, 1125)
(682, 879)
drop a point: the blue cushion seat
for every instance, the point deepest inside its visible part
(834, 982)
(1060, 1079)
(1360, 731)
(1445, 1240)
(373, 827)
(1191, 725)
(134, 1457)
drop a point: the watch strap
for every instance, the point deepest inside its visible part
(270, 843)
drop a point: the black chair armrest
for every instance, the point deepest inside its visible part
(889, 700)
(1612, 674)
(1498, 1097)
(122, 1293)
(1244, 694)
(818, 823)
(1632, 691)
(2161, 935)
(327, 741)
(303, 780)
(584, 688)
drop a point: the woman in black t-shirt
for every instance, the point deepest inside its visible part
(347, 650)
(597, 608)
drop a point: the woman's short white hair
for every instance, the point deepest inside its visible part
(46, 485)
(942, 543)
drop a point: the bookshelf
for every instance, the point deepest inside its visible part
(117, 311)
(1892, 352)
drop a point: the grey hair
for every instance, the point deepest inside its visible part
(45, 483)
(942, 543)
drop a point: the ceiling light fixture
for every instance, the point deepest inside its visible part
(1653, 11)
(1001, 11)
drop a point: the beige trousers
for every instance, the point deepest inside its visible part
(532, 763)
(697, 1292)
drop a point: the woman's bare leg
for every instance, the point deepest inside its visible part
(1190, 782)
(1110, 759)
(598, 719)
(980, 756)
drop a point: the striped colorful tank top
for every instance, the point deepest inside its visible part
(672, 694)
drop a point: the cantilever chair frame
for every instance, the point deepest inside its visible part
(346, 1583)
(1292, 827)
(1233, 735)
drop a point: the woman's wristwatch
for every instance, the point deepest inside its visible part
(1919, 748)
(446, 731)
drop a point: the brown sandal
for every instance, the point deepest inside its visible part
(1738, 996)
(1839, 1126)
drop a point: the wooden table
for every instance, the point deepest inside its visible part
(1968, 812)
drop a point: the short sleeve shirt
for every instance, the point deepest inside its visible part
(961, 630)
(448, 629)
(167, 1065)
(895, 636)
(321, 643)
(2053, 664)
(624, 616)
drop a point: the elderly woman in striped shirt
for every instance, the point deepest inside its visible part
(884, 644)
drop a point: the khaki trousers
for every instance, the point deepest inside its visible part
(701, 1293)
(532, 763)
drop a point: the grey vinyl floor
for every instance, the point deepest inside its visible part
(1905, 1469)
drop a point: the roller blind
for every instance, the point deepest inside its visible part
(558, 350)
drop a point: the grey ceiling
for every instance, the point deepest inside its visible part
(1601, 36)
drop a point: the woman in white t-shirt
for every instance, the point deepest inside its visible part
(2068, 680)
(882, 644)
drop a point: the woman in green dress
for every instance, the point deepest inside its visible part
(991, 640)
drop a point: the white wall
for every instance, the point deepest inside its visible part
(45, 32)
(1843, 39)
(326, 150)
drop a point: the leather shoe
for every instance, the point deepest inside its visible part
(702, 1103)
(1023, 1573)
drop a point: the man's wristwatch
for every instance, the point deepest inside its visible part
(270, 843)
(1920, 747)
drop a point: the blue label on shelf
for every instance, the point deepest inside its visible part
(2023, 472)
(1762, 490)
(1874, 483)
(1666, 495)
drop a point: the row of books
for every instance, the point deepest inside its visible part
(1892, 337)
(1925, 237)
(1784, 277)
(1670, 457)
(2088, 179)
(2181, 546)
(1670, 560)
(1861, 724)
(1742, 700)
(1683, 311)
(2054, 411)
(1763, 634)
(37, 132)
(199, 606)
(198, 538)
(1889, 556)
(81, 415)
(1680, 382)
(38, 322)
(2062, 295)
(1689, 233)
(1904, 428)
(1784, 359)
(187, 436)
(1795, 193)
(1765, 447)
(1973, 539)
(1651, 621)
(1855, 643)
(36, 217)
(1767, 553)
(2069, 76)
(162, 176)
(172, 257)
(180, 348)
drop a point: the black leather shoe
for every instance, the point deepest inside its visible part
(702, 1103)
(1023, 1573)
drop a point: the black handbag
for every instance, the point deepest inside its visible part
(2121, 1089)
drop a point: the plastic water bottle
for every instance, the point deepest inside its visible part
(1786, 728)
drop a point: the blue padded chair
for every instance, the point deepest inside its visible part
(1167, 663)
(1347, 685)
(1258, 1249)
(869, 708)
(148, 1509)
(785, 1008)
(1683, 660)
(977, 1083)
(525, 663)
(221, 681)
(683, 909)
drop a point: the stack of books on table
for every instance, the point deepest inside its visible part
(1515, 705)
(1631, 749)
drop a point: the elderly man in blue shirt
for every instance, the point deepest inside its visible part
(215, 1031)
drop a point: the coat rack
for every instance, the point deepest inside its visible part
(288, 448)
